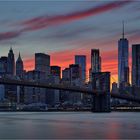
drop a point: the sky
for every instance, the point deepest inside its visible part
(66, 28)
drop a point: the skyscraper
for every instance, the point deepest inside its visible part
(3, 65)
(35, 94)
(19, 66)
(95, 63)
(95, 60)
(74, 72)
(42, 63)
(66, 74)
(123, 55)
(81, 61)
(11, 63)
(136, 65)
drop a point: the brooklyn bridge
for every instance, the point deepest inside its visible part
(98, 95)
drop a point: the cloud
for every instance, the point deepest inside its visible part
(45, 21)
(9, 35)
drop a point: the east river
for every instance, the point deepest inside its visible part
(69, 125)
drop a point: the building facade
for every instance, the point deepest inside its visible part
(19, 67)
(66, 74)
(136, 65)
(95, 60)
(35, 94)
(56, 71)
(3, 65)
(53, 95)
(81, 61)
(75, 73)
(42, 63)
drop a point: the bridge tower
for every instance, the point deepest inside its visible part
(101, 101)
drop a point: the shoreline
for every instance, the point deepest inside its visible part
(54, 110)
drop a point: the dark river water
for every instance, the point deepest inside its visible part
(69, 125)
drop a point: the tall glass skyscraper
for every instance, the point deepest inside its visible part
(136, 65)
(81, 61)
(123, 55)
(95, 60)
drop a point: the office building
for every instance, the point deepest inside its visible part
(2, 92)
(75, 73)
(81, 61)
(66, 74)
(3, 65)
(42, 63)
(136, 65)
(53, 95)
(95, 60)
(35, 94)
(123, 64)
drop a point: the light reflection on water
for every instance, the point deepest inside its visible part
(83, 125)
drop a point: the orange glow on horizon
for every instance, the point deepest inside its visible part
(64, 58)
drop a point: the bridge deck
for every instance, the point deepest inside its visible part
(64, 87)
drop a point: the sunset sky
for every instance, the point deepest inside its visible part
(64, 29)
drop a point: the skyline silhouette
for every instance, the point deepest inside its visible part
(62, 31)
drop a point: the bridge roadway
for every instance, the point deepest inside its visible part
(66, 88)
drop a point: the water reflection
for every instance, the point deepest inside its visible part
(69, 125)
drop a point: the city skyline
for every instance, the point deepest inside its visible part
(69, 31)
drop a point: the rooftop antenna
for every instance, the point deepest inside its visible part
(123, 30)
(19, 54)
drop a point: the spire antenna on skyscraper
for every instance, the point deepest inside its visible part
(19, 54)
(123, 30)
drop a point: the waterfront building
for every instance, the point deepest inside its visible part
(136, 65)
(2, 92)
(71, 76)
(53, 95)
(35, 94)
(75, 79)
(3, 65)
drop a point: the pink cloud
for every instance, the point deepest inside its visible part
(9, 35)
(44, 21)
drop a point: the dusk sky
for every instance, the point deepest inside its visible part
(64, 29)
